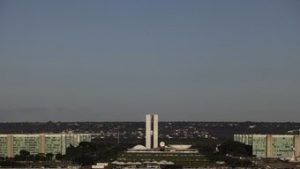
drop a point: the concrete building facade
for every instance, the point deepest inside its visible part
(151, 131)
(155, 131)
(148, 131)
(12, 144)
(272, 146)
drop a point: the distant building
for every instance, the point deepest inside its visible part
(153, 154)
(12, 144)
(151, 131)
(141, 156)
(272, 146)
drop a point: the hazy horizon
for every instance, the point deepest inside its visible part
(143, 121)
(115, 60)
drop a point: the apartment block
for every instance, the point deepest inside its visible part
(272, 146)
(12, 144)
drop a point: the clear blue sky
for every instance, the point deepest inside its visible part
(115, 60)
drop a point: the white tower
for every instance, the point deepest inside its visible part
(148, 131)
(151, 135)
(155, 131)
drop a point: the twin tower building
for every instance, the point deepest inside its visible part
(151, 131)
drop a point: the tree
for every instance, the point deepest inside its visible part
(49, 156)
(59, 157)
(23, 156)
(24, 153)
(2, 158)
(235, 148)
(40, 157)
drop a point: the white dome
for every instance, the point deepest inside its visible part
(162, 144)
(139, 147)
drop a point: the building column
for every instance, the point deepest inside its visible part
(269, 146)
(63, 144)
(297, 145)
(10, 152)
(42, 143)
(155, 131)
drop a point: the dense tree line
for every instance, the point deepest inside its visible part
(88, 153)
(232, 153)
(24, 158)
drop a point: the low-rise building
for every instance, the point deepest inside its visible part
(12, 144)
(272, 146)
(181, 155)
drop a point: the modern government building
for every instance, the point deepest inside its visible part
(155, 153)
(272, 146)
(12, 144)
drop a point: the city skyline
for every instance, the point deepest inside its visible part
(116, 60)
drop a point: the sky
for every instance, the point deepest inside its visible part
(116, 60)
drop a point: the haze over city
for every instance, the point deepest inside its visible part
(116, 60)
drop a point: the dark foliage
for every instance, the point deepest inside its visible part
(88, 153)
(228, 151)
(235, 149)
(40, 157)
(59, 157)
